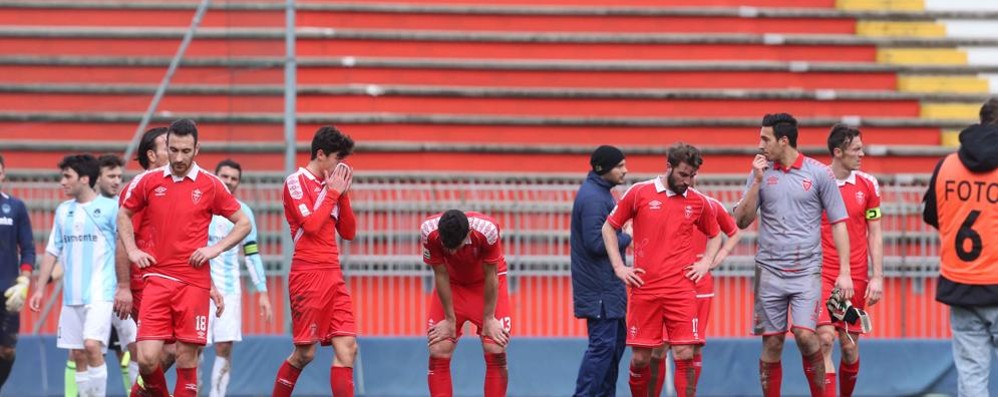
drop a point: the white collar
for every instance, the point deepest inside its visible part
(191, 173)
(308, 173)
(851, 179)
(659, 187)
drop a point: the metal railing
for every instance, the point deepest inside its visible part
(391, 287)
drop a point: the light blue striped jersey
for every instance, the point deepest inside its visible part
(225, 267)
(83, 238)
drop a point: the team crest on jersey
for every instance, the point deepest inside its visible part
(655, 205)
(688, 211)
(807, 184)
(160, 191)
(294, 188)
(860, 197)
(6, 208)
(196, 196)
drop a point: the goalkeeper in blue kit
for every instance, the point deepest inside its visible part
(17, 260)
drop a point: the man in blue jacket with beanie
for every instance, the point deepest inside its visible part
(599, 296)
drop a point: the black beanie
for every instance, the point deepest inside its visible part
(604, 158)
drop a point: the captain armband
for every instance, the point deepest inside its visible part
(251, 248)
(873, 213)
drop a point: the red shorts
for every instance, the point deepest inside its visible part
(469, 305)
(703, 315)
(859, 290)
(173, 310)
(672, 318)
(136, 287)
(136, 302)
(321, 307)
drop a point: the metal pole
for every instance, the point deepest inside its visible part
(161, 90)
(290, 92)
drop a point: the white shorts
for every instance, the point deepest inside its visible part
(229, 327)
(78, 323)
(126, 330)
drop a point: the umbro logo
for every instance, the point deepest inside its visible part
(160, 191)
(655, 205)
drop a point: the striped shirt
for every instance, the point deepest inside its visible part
(83, 238)
(225, 267)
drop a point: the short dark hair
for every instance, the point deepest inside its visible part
(231, 164)
(110, 161)
(684, 153)
(453, 228)
(83, 164)
(147, 143)
(841, 137)
(330, 140)
(989, 112)
(784, 125)
(183, 127)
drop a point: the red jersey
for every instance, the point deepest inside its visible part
(664, 225)
(726, 224)
(861, 195)
(141, 240)
(175, 219)
(483, 245)
(315, 214)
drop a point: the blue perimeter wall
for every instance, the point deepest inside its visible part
(537, 367)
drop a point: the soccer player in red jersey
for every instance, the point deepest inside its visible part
(465, 251)
(317, 207)
(152, 153)
(178, 203)
(861, 195)
(662, 305)
(704, 290)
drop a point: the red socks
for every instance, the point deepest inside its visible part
(771, 378)
(658, 374)
(439, 377)
(639, 380)
(341, 381)
(814, 371)
(187, 383)
(155, 383)
(830, 385)
(697, 365)
(847, 380)
(496, 375)
(287, 376)
(686, 383)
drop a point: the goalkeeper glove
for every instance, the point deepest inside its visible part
(842, 309)
(17, 294)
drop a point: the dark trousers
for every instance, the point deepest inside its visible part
(598, 372)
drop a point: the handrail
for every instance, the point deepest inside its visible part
(448, 147)
(488, 9)
(348, 62)
(379, 90)
(306, 33)
(459, 119)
